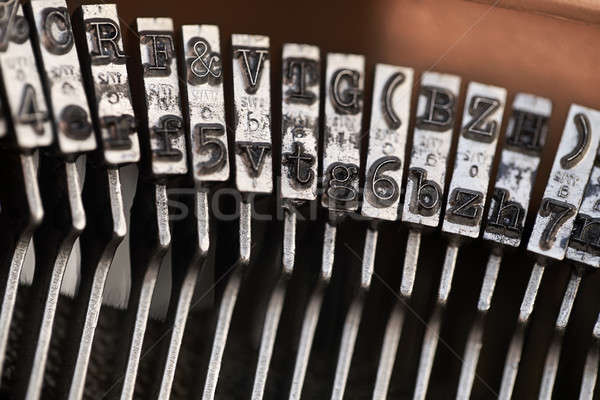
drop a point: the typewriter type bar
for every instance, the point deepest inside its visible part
(61, 180)
(554, 223)
(590, 369)
(24, 105)
(105, 73)
(583, 252)
(344, 86)
(525, 138)
(206, 124)
(254, 175)
(385, 160)
(482, 117)
(434, 128)
(300, 103)
(164, 160)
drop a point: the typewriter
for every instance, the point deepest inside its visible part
(271, 200)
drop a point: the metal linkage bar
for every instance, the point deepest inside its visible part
(434, 128)
(25, 125)
(59, 67)
(300, 138)
(482, 117)
(165, 160)
(254, 174)
(344, 85)
(381, 196)
(525, 137)
(554, 222)
(590, 370)
(205, 105)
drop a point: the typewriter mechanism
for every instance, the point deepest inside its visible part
(322, 200)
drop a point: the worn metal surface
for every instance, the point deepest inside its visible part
(61, 70)
(482, 117)
(344, 83)
(205, 102)
(434, 128)
(526, 134)
(252, 112)
(24, 99)
(108, 81)
(564, 192)
(390, 113)
(300, 122)
(164, 119)
(584, 247)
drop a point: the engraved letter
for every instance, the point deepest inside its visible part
(345, 93)
(425, 198)
(58, 36)
(204, 65)
(506, 216)
(586, 234)
(211, 145)
(168, 125)
(255, 153)
(299, 163)
(105, 45)
(161, 50)
(559, 213)
(528, 133)
(466, 206)
(301, 72)
(382, 191)
(252, 60)
(440, 109)
(479, 128)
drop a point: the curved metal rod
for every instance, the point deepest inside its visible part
(183, 291)
(393, 330)
(590, 371)
(25, 183)
(98, 254)
(474, 341)
(553, 355)
(53, 244)
(273, 312)
(149, 244)
(432, 333)
(352, 323)
(228, 303)
(311, 316)
(511, 365)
